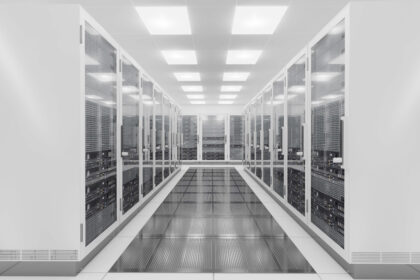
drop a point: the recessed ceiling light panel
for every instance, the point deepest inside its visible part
(231, 88)
(225, 102)
(235, 76)
(198, 102)
(180, 57)
(165, 20)
(192, 88)
(187, 76)
(257, 19)
(228, 96)
(195, 96)
(239, 57)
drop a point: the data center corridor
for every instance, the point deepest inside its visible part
(212, 222)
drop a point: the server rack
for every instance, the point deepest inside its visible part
(296, 129)
(279, 146)
(189, 150)
(130, 135)
(327, 114)
(166, 137)
(258, 137)
(236, 137)
(213, 137)
(101, 134)
(147, 134)
(267, 111)
(253, 135)
(158, 136)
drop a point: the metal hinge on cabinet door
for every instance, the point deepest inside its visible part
(81, 34)
(81, 233)
(120, 204)
(306, 206)
(120, 65)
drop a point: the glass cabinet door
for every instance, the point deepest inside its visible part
(259, 141)
(278, 126)
(327, 111)
(296, 97)
(167, 137)
(213, 129)
(158, 114)
(179, 136)
(130, 136)
(147, 139)
(252, 136)
(173, 132)
(101, 133)
(236, 137)
(189, 137)
(266, 122)
(247, 139)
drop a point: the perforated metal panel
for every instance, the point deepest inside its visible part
(214, 233)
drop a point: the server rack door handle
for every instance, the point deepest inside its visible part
(342, 121)
(282, 142)
(302, 139)
(122, 140)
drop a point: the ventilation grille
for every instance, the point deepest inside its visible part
(386, 257)
(63, 255)
(415, 258)
(9, 255)
(366, 257)
(38, 255)
(35, 255)
(397, 257)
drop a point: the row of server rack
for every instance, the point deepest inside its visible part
(107, 138)
(279, 122)
(212, 137)
(317, 136)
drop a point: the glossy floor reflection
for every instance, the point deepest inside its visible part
(212, 222)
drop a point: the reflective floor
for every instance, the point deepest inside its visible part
(212, 222)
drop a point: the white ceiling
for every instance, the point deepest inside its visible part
(211, 23)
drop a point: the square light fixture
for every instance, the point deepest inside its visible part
(187, 76)
(225, 102)
(230, 88)
(257, 19)
(192, 88)
(195, 96)
(198, 102)
(180, 57)
(240, 57)
(165, 20)
(235, 76)
(228, 96)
